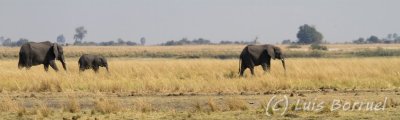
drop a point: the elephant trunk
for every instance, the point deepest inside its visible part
(283, 64)
(107, 68)
(63, 63)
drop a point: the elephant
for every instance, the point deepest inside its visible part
(254, 55)
(88, 61)
(36, 53)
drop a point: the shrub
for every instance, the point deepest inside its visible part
(318, 47)
(293, 46)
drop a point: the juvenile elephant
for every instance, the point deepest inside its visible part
(45, 53)
(87, 61)
(254, 55)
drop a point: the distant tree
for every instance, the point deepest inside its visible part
(143, 41)
(255, 41)
(21, 41)
(308, 34)
(226, 42)
(130, 43)
(2, 40)
(61, 39)
(373, 39)
(109, 43)
(7, 42)
(120, 41)
(396, 40)
(185, 41)
(200, 41)
(359, 41)
(286, 42)
(389, 36)
(80, 34)
(395, 35)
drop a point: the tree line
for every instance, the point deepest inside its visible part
(307, 34)
(202, 41)
(390, 39)
(8, 42)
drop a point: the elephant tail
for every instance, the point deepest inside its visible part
(21, 62)
(240, 63)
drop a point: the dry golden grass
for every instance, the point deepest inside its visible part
(42, 109)
(10, 105)
(72, 105)
(106, 106)
(213, 105)
(142, 105)
(158, 76)
(236, 104)
(143, 76)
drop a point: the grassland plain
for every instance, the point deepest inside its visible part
(156, 76)
(141, 87)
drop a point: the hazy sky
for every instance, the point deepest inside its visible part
(162, 20)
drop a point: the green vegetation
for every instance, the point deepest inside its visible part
(308, 35)
(316, 46)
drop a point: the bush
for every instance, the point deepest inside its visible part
(318, 47)
(294, 46)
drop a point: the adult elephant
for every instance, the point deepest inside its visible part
(45, 53)
(254, 55)
(94, 62)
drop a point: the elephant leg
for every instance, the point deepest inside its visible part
(53, 65)
(96, 69)
(269, 65)
(46, 67)
(266, 67)
(252, 70)
(242, 71)
(20, 64)
(82, 68)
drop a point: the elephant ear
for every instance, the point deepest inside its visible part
(55, 50)
(255, 51)
(271, 51)
(97, 61)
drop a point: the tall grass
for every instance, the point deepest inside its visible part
(162, 76)
(217, 51)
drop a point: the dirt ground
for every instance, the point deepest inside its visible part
(326, 104)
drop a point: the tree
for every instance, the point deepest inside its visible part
(308, 34)
(255, 41)
(2, 39)
(397, 40)
(80, 34)
(7, 42)
(286, 42)
(373, 39)
(389, 36)
(130, 43)
(143, 41)
(61, 39)
(120, 41)
(359, 41)
(21, 41)
(394, 35)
